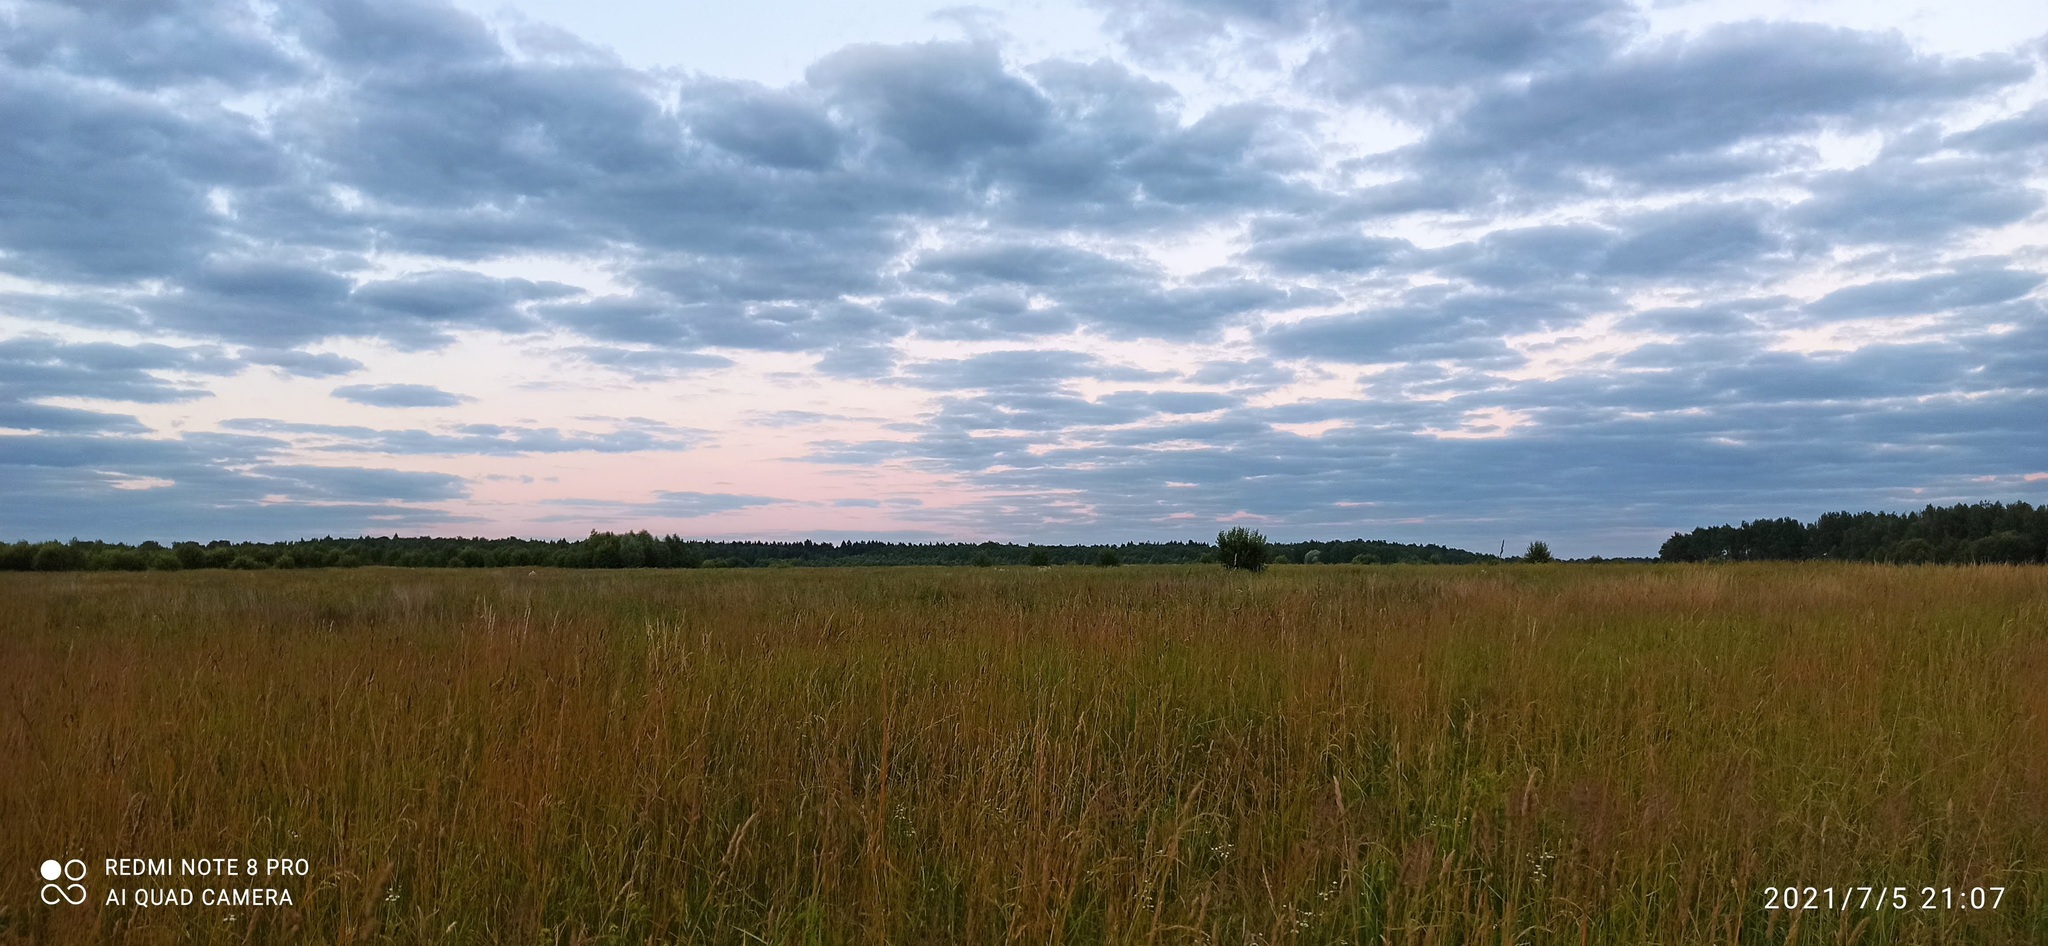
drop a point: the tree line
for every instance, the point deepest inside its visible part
(643, 550)
(1963, 533)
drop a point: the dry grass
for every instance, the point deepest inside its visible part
(1618, 754)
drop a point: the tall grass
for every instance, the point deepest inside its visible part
(1498, 755)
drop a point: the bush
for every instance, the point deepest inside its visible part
(19, 557)
(57, 557)
(1913, 551)
(1039, 558)
(1108, 559)
(1539, 552)
(1312, 557)
(1243, 548)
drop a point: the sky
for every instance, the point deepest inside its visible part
(1461, 271)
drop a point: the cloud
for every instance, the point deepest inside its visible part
(1697, 110)
(1915, 201)
(940, 102)
(232, 485)
(35, 368)
(1431, 267)
(1377, 49)
(399, 395)
(631, 435)
(666, 504)
(1926, 294)
(774, 128)
(302, 364)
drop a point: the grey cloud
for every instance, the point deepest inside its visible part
(392, 32)
(1673, 111)
(1338, 252)
(1916, 201)
(2025, 131)
(32, 368)
(1434, 324)
(1127, 299)
(1374, 48)
(147, 44)
(1926, 294)
(647, 364)
(631, 436)
(359, 485)
(941, 101)
(452, 297)
(399, 395)
(261, 302)
(225, 484)
(103, 185)
(993, 313)
(777, 129)
(1020, 371)
(302, 364)
(1044, 265)
(26, 415)
(666, 503)
(275, 303)
(1382, 46)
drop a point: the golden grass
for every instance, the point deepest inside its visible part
(1500, 755)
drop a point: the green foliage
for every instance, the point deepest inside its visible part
(1538, 553)
(1243, 548)
(640, 549)
(57, 557)
(1108, 559)
(1984, 533)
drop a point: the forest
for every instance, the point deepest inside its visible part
(1988, 533)
(643, 550)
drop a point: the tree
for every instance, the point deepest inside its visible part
(1539, 552)
(1312, 557)
(57, 557)
(1108, 559)
(1039, 557)
(1243, 548)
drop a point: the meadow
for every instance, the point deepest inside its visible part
(1504, 754)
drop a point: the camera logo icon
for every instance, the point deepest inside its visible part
(56, 892)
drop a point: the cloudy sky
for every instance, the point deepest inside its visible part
(1462, 271)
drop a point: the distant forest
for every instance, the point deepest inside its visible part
(642, 550)
(1982, 532)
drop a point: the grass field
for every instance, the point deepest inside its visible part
(1499, 755)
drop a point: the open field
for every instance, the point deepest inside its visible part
(1497, 754)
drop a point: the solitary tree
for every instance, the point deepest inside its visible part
(1539, 552)
(1242, 548)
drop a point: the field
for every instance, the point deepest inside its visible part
(1318, 754)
